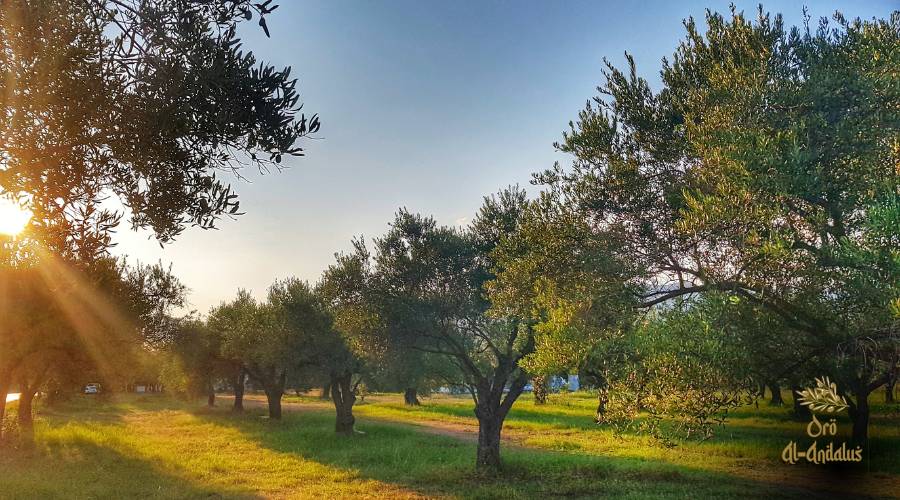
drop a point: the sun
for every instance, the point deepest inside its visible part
(13, 218)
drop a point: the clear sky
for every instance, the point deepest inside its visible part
(426, 105)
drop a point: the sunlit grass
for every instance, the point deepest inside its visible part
(155, 447)
(146, 450)
(748, 446)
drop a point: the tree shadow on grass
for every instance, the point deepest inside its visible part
(101, 454)
(439, 465)
(748, 432)
(107, 408)
(518, 414)
(84, 448)
(81, 468)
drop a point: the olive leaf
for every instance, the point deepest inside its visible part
(824, 397)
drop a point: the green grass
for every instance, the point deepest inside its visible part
(748, 447)
(156, 447)
(751, 432)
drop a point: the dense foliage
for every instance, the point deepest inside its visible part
(765, 167)
(141, 101)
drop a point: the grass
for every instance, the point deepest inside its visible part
(748, 447)
(757, 433)
(156, 447)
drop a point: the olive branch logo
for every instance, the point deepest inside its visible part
(824, 397)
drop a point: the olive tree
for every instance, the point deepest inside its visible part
(142, 101)
(763, 167)
(437, 277)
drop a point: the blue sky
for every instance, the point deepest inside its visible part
(425, 105)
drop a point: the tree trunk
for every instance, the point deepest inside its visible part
(776, 394)
(491, 408)
(273, 397)
(410, 397)
(602, 400)
(239, 391)
(489, 426)
(343, 397)
(326, 391)
(800, 412)
(25, 417)
(541, 388)
(210, 395)
(274, 393)
(859, 413)
(889, 391)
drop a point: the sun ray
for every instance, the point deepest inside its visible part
(104, 330)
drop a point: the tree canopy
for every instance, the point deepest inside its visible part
(145, 102)
(765, 167)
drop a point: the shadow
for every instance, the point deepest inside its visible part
(574, 418)
(439, 465)
(81, 468)
(155, 447)
(764, 431)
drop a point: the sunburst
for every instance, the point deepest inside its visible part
(13, 218)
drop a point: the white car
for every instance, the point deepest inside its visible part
(92, 389)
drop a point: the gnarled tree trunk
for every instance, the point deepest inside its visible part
(238, 386)
(410, 397)
(274, 392)
(889, 390)
(343, 395)
(273, 399)
(326, 391)
(490, 424)
(491, 408)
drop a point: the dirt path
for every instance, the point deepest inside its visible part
(448, 429)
